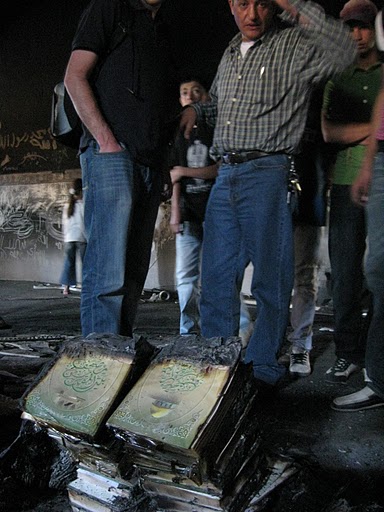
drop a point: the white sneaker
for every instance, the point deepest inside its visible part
(299, 364)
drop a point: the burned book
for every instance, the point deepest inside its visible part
(80, 388)
(223, 456)
(179, 497)
(162, 486)
(93, 491)
(224, 480)
(103, 458)
(182, 411)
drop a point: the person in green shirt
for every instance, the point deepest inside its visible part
(347, 107)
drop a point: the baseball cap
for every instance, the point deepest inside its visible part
(364, 11)
(380, 31)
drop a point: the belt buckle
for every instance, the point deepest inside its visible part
(230, 158)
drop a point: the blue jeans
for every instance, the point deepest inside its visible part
(347, 245)
(188, 252)
(374, 359)
(305, 288)
(188, 265)
(68, 276)
(121, 201)
(247, 211)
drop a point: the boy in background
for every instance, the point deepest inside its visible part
(193, 174)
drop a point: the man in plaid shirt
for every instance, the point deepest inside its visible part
(259, 103)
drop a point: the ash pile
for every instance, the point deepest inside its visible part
(155, 426)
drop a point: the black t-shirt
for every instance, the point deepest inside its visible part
(193, 152)
(137, 84)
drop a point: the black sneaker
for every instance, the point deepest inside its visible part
(341, 371)
(359, 401)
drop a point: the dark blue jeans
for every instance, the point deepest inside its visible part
(375, 278)
(248, 219)
(71, 249)
(347, 245)
(188, 260)
(121, 201)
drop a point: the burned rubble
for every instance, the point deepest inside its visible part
(152, 428)
(338, 459)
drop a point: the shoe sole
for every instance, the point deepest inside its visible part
(299, 374)
(343, 380)
(339, 380)
(357, 408)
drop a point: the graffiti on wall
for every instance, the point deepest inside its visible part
(33, 151)
(30, 221)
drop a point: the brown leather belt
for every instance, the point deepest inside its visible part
(242, 157)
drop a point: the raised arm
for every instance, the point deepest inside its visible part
(329, 35)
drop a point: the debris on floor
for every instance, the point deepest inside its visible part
(149, 427)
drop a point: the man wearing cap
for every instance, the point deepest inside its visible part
(367, 192)
(347, 107)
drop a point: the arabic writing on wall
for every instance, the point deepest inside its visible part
(33, 151)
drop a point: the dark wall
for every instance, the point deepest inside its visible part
(34, 46)
(35, 39)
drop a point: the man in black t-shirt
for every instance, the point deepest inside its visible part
(125, 99)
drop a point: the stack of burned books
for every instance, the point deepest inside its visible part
(179, 433)
(189, 425)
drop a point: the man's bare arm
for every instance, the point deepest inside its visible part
(175, 220)
(345, 133)
(206, 173)
(79, 69)
(188, 121)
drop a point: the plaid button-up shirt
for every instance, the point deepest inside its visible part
(260, 102)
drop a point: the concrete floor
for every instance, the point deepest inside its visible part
(341, 454)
